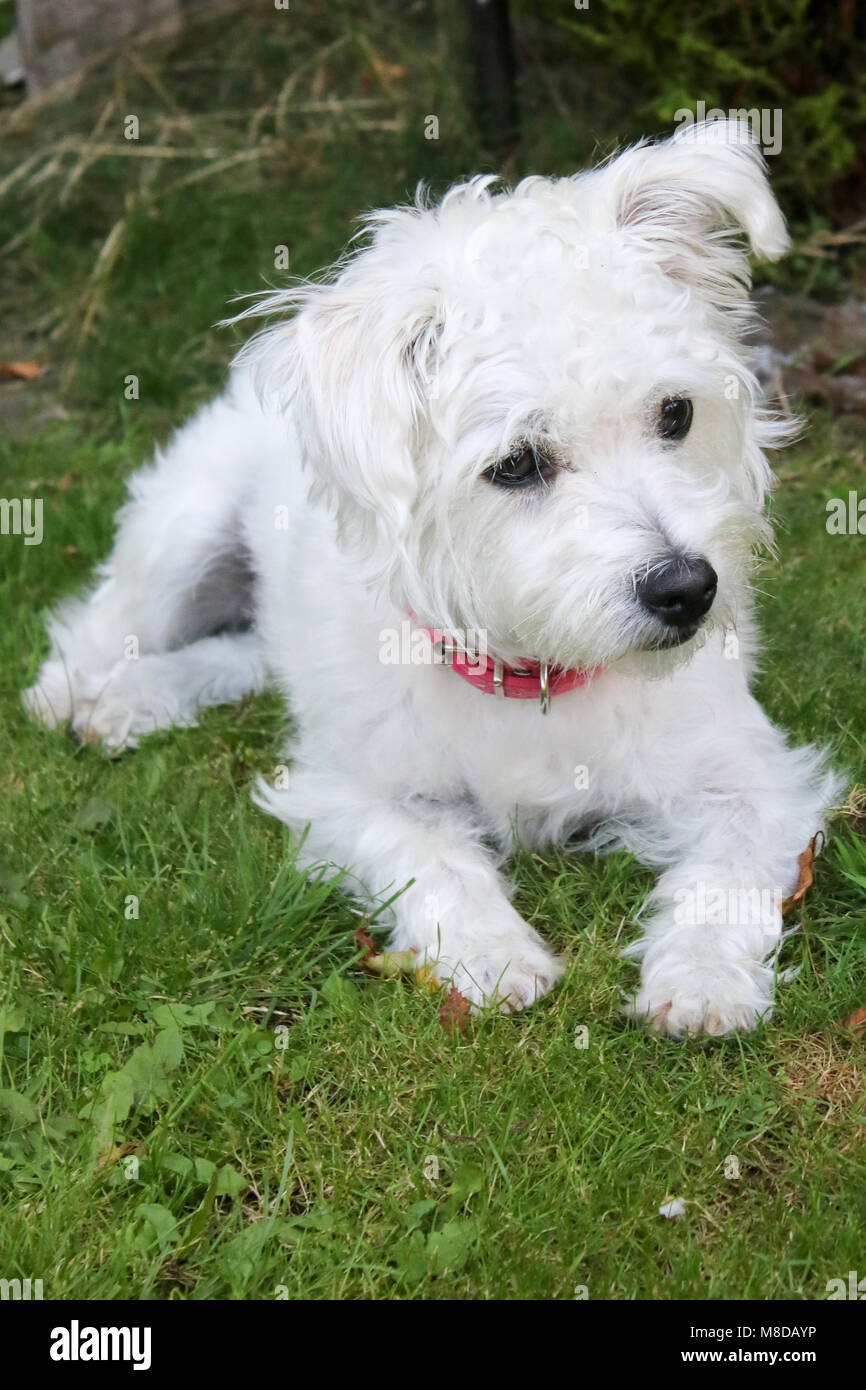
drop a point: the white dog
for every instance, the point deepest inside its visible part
(527, 416)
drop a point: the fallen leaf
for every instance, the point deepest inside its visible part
(115, 1152)
(806, 876)
(855, 1021)
(426, 979)
(19, 371)
(387, 73)
(454, 1012)
(391, 964)
(365, 943)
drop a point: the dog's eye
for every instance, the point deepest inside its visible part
(523, 467)
(675, 417)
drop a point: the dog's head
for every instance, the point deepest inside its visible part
(533, 410)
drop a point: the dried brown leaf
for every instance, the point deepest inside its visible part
(454, 1013)
(365, 942)
(115, 1152)
(805, 878)
(19, 371)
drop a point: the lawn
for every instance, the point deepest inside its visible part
(202, 1094)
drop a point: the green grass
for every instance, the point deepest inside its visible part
(210, 1099)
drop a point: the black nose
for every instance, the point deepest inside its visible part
(680, 591)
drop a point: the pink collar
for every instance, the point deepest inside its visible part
(531, 680)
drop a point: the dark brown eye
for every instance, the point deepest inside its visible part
(525, 466)
(675, 417)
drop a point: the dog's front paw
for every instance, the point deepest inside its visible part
(509, 976)
(677, 1001)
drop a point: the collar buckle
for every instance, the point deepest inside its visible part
(544, 687)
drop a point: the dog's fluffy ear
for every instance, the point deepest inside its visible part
(689, 199)
(355, 363)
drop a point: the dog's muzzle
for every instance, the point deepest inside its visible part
(679, 593)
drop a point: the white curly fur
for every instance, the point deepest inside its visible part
(563, 311)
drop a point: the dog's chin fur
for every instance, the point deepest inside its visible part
(660, 662)
(343, 483)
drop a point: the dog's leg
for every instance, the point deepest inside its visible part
(177, 573)
(454, 914)
(713, 925)
(166, 690)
